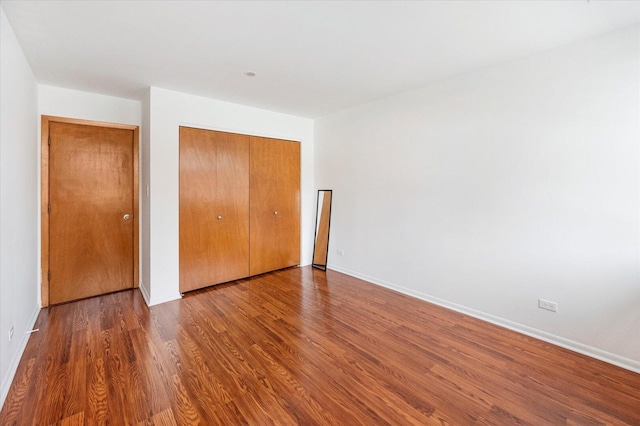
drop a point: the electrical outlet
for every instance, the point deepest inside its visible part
(10, 333)
(340, 252)
(549, 306)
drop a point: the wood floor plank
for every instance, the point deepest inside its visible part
(74, 420)
(301, 346)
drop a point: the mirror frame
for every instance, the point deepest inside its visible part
(315, 235)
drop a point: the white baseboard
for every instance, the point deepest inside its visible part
(164, 299)
(150, 302)
(620, 361)
(145, 295)
(17, 356)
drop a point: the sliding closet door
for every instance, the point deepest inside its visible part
(275, 204)
(214, 207)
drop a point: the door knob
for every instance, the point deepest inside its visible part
(275, 213)
(219, 217)
(126, 217)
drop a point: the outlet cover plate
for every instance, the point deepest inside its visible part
(548, 305)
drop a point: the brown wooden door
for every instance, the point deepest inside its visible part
(275, 204)
(91, 177)
(214, 207)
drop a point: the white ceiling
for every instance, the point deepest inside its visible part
(311, 58)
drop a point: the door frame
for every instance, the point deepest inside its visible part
(44, 206)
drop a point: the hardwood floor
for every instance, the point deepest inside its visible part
(301, 346)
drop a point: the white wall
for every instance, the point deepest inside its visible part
(490, 190)
(18, 203)
(168, 111)
(70, 103)
(145, 205)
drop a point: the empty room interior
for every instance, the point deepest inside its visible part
(320, 212)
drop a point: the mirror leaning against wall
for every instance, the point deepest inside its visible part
(323, 220)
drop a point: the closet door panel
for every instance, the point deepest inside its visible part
(274, 204)
(232, 183)
(232, 246)
(197, 207)
(214, 207)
